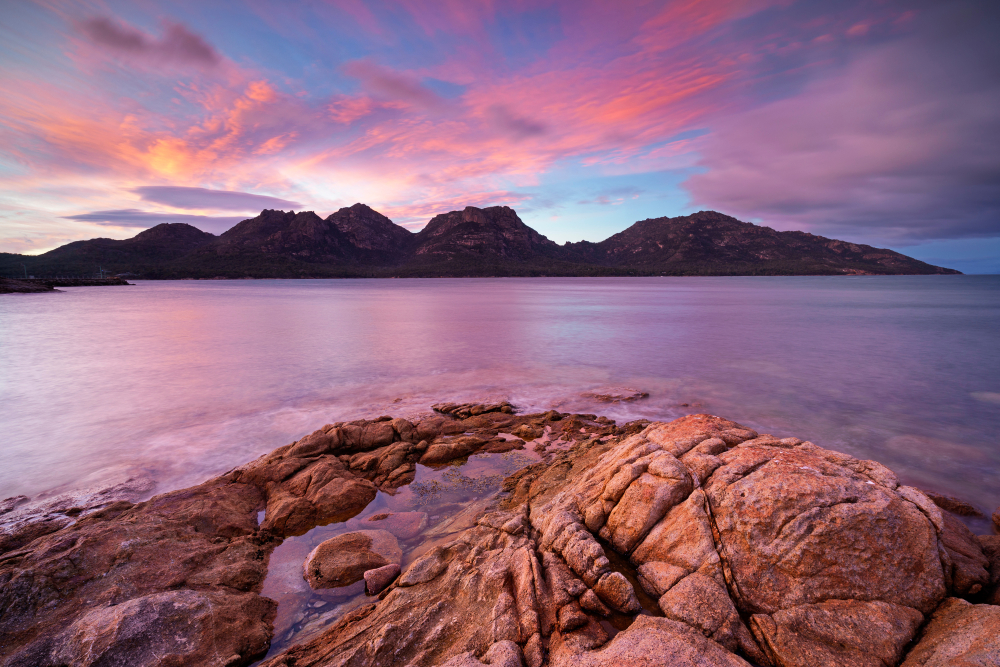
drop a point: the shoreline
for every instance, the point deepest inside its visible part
(647, 476)
(38, 285)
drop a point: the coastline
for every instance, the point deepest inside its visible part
(202, 550)
(38, 285)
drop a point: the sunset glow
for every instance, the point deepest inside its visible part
(872, 122)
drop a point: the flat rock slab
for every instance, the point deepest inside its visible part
(343, 560)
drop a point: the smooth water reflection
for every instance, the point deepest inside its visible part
(183, 380)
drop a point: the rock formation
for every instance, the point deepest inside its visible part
(697, 542)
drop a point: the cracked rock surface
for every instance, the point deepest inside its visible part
(696, 542)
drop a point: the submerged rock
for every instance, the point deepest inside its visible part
(343, 560)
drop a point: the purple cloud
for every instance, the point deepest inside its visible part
(201, 198)
(516, 126)
(388, 83)
(178, 44)
(130, 217)
(900, 146)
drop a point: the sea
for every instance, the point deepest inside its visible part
(184, 380)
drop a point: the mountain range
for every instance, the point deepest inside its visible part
(358, 241)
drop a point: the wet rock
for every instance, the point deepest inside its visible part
(124, 582)
(317, 443)
(443, 452)
(23, 520)
(376, 580)
(527, 432)
(959, 634)
(615, 394)
(344, 559)
(991, 549)
(466, 410)
(8, 504)
(968, 570)
(431, 427)
(320, 491)
(173, 627)
(837, 632)
(953, 504)
(424, 569)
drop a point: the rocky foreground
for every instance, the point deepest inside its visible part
(691, 543)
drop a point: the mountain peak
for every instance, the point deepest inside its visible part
(368, 229)
(173, 231)
(495, 231)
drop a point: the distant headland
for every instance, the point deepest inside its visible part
(359, 242)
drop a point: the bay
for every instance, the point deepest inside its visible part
(180, 381)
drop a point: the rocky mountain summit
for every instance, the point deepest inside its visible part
(697, 542)
(360, 242)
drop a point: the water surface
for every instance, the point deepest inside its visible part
(184, 380)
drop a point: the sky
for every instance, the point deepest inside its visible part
(870, 121)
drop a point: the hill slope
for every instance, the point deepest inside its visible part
(360, 242)
(710, 243)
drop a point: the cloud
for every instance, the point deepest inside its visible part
(391, 84)
(130, 217)
(203, 198)
(516, 126)
(900, 146)
(177, 46)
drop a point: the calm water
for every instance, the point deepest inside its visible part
(184, 380)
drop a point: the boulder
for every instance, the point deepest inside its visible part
(455, 448)
(991, 549)
(616, 591)
(850, 633)
(959, 634)
(968, 570)
(953, 504)
(651, 642)
(798, 529)
(378, 579)
(343, 560)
